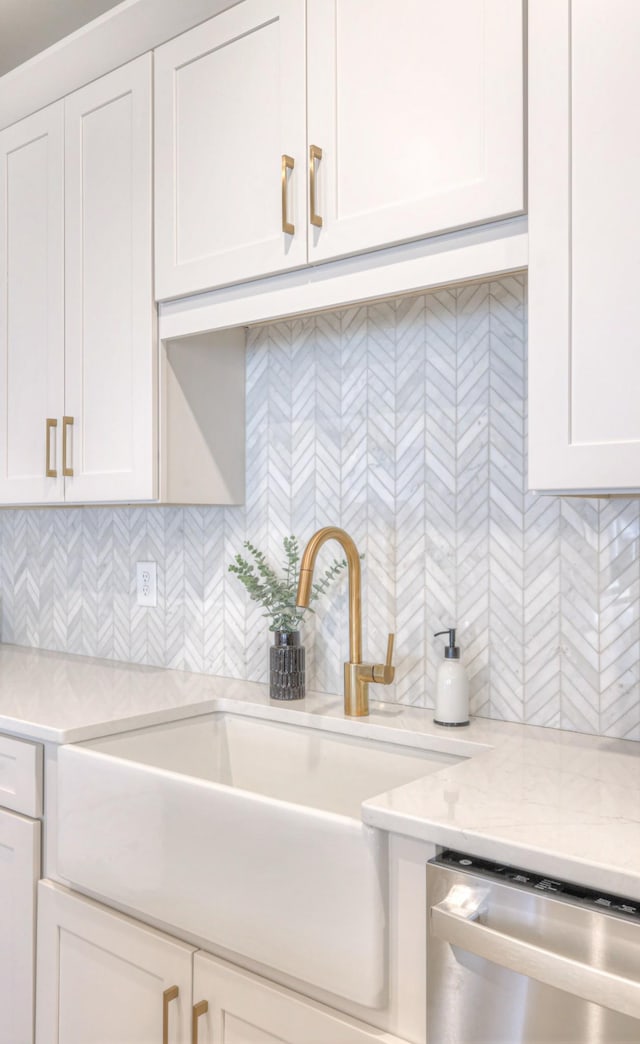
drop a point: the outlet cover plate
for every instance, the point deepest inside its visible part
(147, 583)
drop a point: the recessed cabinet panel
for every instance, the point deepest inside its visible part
(110, 444)
(230, 102)
(207, 183)
(418, 110)
(107, 284)
(605, 210)
(584, 344)
(31, 306)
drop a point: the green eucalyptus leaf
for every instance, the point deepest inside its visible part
(277, 594)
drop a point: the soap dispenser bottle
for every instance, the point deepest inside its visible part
(452, 686)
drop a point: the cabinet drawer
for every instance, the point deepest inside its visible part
(21, 776)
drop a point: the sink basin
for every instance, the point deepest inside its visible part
(244, 833)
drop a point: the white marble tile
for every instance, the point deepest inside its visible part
(404, 422)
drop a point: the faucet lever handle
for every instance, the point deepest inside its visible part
(384, 673)
(390, 640)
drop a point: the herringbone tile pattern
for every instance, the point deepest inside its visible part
(404, 422)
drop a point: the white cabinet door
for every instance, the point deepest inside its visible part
(31, 306)
(242, 1008)
(584, 228)
(110, 394)
(417, 108)
(229, 105)
(102, 977)
(19, 873)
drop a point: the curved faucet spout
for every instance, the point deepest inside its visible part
(353, 561)
(357, 675)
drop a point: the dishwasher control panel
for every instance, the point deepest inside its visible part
(537, 883)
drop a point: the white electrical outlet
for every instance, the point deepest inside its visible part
(147, 583)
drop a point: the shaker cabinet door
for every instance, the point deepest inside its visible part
(32, 307)
(108, 439)
(19, 872)
(584, 262)
(102, 977)
(229, 107)
(417, 110)
(237, 1007)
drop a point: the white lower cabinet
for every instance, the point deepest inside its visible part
(104, 978)
(240, 1008)
(19, 872)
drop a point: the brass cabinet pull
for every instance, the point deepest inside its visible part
(67, 422)
(314, 154)
(170, 994)
(288, 163)
(49, 471)
(201, 1008)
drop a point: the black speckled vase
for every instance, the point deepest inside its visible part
(286, 663)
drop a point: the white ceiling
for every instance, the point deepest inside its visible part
(28, 26)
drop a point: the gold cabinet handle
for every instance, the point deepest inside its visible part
(170, 994)
(288, 163)
(314, 154)
(50, 472)
(67, 422)
(201, 1008)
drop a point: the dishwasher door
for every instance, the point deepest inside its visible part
(511, 964)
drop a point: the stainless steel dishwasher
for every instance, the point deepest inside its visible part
(515, 958)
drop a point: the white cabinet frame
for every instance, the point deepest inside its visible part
(584, 265)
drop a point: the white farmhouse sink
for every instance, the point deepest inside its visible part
(245, 833)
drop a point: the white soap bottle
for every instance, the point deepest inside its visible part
(452, 686)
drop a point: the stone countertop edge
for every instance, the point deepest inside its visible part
(558, 803)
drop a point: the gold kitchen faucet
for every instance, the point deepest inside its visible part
(357, 675)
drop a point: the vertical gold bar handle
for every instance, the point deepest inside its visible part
(288, 163)
(170, 994)
(201, 1008)
(67, 422)
(50, 472)
(314, 154)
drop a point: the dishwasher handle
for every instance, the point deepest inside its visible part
(553, 969)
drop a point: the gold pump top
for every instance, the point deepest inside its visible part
(305, 582)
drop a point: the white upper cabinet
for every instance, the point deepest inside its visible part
(93, 411)
(230, 106)
(31, 306)
(110, 390)
(279, 143)
(417, 108)
(584, 339)
(78, 387)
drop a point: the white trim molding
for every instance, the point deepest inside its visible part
(117, 36)
(458, 257)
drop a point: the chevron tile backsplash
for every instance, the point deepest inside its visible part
(404, 422)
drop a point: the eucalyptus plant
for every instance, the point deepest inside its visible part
(277, 594)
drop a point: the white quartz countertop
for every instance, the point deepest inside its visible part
(563, 805)
(558, 803)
